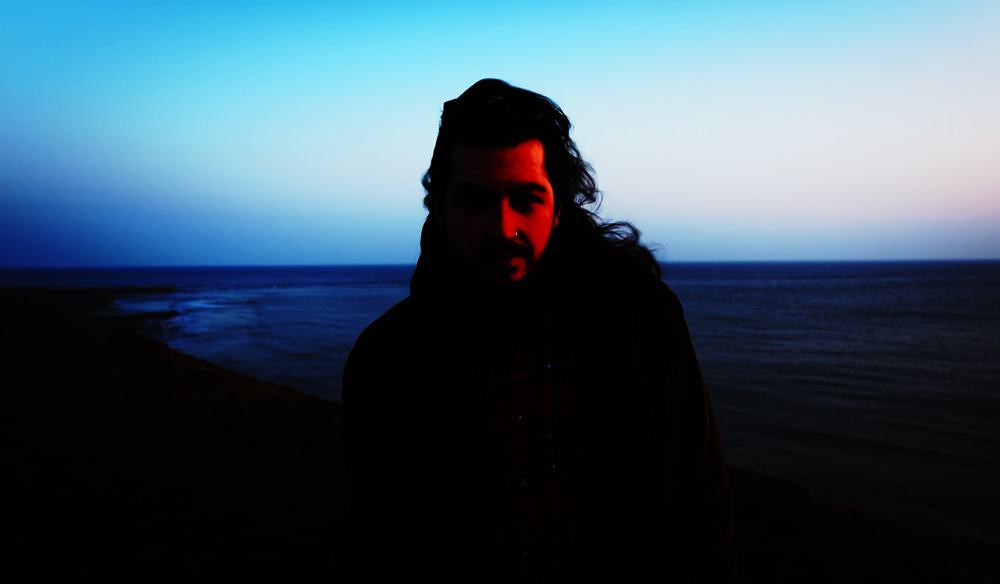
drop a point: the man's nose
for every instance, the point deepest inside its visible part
(504, 221)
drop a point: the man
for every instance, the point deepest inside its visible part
(534, 409)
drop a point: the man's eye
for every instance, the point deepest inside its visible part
(525, 202)
(472, 200)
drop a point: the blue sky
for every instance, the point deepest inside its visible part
(199, 133)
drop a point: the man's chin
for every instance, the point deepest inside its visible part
(502, 278)
(501, 281)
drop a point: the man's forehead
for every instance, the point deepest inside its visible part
(520, 164)
(530, 149)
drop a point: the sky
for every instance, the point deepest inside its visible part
(264, 133)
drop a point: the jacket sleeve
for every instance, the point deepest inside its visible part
(371, 536)
(704, 502)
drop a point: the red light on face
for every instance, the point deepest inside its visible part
(499, 211)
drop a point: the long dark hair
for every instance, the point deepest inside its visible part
(573, 184)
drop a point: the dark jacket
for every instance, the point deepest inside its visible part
(420, 490)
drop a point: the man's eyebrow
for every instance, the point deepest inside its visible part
(531, 187)
(465, 186)
(521, 188)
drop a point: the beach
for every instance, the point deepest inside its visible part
(131, 458)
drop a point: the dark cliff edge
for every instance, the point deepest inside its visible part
(124, 457)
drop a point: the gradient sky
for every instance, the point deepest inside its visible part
(194, 133)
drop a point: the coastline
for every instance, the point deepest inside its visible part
(130, 457)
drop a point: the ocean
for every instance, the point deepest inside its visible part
(875, 384)
(869, 383)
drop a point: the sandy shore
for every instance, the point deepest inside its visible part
(130, 458)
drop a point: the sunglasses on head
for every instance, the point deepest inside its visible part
(470, 107)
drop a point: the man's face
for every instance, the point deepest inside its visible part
(499, 211)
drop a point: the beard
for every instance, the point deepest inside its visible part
(503, 253)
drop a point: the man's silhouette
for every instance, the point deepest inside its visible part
(534, 409)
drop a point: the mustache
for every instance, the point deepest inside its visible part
(504, 249)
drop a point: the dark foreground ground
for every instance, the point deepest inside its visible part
(123, 457)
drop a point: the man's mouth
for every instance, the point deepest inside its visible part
(506, 254)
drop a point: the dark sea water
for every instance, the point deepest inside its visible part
(291, 325)
(875, 384)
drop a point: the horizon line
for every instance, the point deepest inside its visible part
(373, 265)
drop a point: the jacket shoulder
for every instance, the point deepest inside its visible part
(647, 294)
(666, 296)
(400, 324)
(397, 318)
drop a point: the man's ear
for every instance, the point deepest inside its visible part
(555, 220)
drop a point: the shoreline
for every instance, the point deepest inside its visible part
(131, 457)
